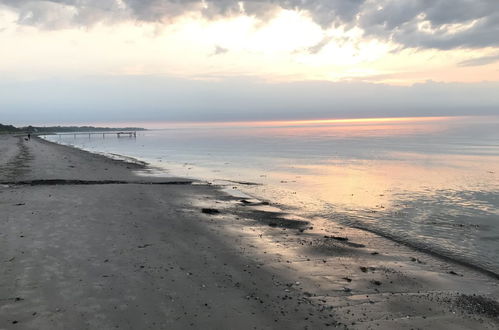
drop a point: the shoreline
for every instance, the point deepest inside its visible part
(280, 267)
(436, 252)
(432, 252)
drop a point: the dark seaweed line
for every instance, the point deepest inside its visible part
(438, 253)
(54, 182)
(430, 251)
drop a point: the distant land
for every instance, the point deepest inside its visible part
(54, 129)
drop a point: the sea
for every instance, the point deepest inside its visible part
(429, 182)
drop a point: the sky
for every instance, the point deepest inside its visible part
(139, 61)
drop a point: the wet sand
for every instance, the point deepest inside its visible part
(87, 242)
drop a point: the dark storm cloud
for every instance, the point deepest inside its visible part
(400, 20)
(397, 20)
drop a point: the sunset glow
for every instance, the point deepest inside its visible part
(352, 121)
(287, 123)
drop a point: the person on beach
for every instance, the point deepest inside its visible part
(29, 136)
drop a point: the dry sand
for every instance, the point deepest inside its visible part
(87, 243)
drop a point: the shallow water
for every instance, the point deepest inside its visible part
(432, 182)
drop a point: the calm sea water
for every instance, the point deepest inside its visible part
(432, 182)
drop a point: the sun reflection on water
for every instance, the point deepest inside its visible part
(432, 180)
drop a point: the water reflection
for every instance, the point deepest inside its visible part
(374, 183)
(446, 203)
(431, 181)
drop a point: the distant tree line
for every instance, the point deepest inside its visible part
(8, 128)
(54, 129)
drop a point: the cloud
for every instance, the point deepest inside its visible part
(439, 24)
(116, 99)
(443, 24)
(479, 61)
(60, 14)
(436, 24)
(219, 50)
(319, 46)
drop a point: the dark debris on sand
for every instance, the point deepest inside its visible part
(210, 211)
(476, 304)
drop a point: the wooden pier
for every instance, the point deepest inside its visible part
(118, 134)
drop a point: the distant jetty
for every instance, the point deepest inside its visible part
(103, 133)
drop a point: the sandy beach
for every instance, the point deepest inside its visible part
(88, 242)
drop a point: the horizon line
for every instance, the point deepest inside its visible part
(260, 123)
